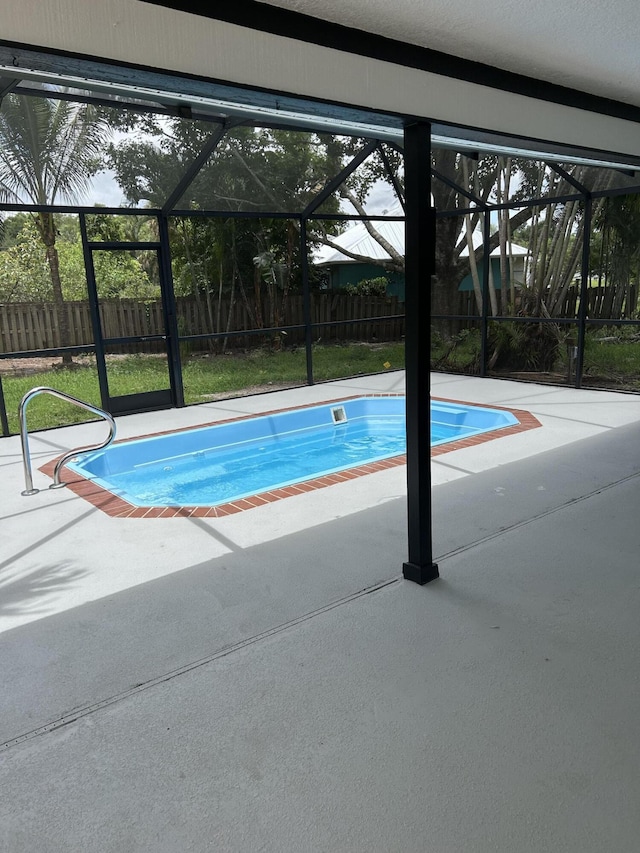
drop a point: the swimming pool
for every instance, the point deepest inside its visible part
(227, 462)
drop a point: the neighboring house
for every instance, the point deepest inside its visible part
(343, 270)
(517, 252)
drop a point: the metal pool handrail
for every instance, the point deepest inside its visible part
(24, 436)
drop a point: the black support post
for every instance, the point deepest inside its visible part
(306, 299)
(486, 272)
(193, 170)
(94, 310)
(4, 421)
(170, 314)
(419, 268)
(584, 288)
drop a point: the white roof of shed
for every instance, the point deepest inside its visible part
(358, 240)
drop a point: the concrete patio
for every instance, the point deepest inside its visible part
(267, 681)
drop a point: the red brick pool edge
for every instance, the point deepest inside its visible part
(118, 508)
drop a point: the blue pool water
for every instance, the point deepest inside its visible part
(225, 462)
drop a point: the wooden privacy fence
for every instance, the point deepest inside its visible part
(34, 326)
(603, 303)
(194, 319)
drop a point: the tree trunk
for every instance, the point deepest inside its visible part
(445, 297)
(219, 306)
(477, 286)
(507, 301)
(473, 263)
(47, 229)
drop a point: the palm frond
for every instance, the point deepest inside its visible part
(49, 149)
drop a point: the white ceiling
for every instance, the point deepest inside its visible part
(584, 44)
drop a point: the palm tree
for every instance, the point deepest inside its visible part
(49, 151)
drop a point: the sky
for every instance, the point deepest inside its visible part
(105, 191)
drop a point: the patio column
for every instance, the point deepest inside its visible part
(419, 267)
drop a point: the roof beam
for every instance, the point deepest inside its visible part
(392, 175)
(557, 168)
(193, 170)
(340, 178)
(7, 85)
(457, 188)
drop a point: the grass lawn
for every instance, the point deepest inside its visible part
(204, 377)
(458, 354)
(612, 360)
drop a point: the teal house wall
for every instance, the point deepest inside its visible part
(341, 275)
(467, 281)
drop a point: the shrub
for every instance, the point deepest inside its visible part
(368, 287)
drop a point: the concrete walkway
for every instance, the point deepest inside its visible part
(269, 682)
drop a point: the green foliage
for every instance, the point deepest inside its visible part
(12, 225)
(368, 287)
(24, 271)
(612, 357)
(512, 346)
(49, 149)
(198, 253)
(523, 346)
(458, 353)
(372, 171)
(250, 169)
(119, 275)
(25, 274)
(617, 228)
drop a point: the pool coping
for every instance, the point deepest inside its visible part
(117, 507)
